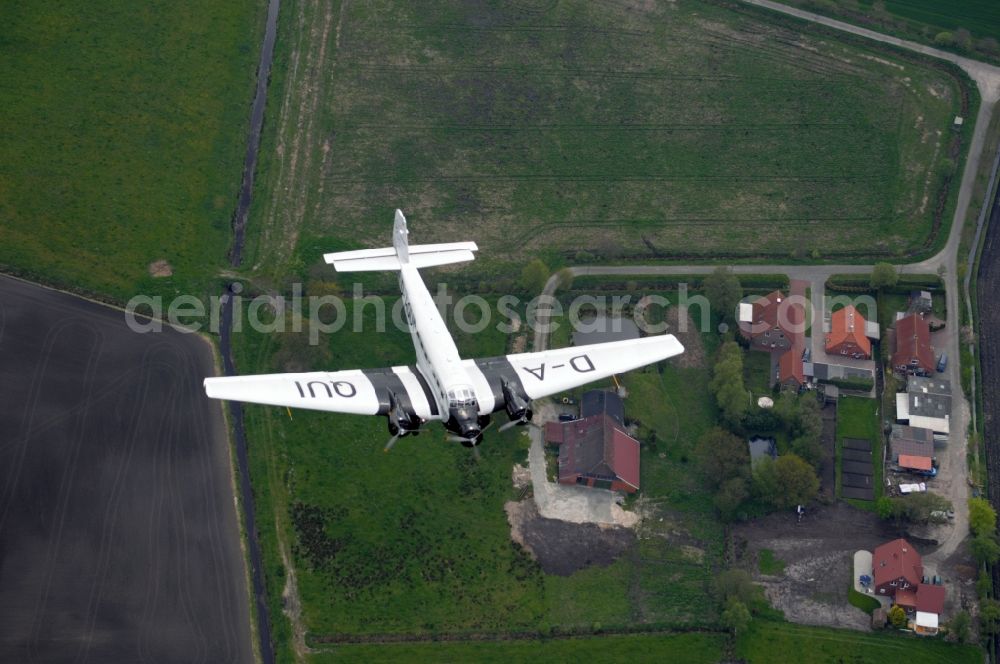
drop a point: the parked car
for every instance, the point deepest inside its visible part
(566, 417)
(942, 362)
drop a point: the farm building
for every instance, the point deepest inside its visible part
(925, 404)
(898, 571)
(914, 353)
(896, 566)
(847, 334)
(771, 323)
(791, 370)
(923, 607)
(913, 441)
(594, 450)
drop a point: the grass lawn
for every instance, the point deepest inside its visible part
(757, 372)
(123, 138)
(695, 648)
(593, 127)
(375, 545)
(767, 642)
(857, 417)
(864, 602)
(768, 563)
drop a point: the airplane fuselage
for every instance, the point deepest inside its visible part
(437, 357)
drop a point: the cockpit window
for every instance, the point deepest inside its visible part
(461, 396)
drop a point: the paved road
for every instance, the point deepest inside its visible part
(945, 262)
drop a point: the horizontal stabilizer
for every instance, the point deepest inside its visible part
(420, 255)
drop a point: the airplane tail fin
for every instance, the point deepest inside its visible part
(401, 253)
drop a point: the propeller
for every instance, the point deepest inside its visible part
(392, 441)
(470, 442)
(524, 419)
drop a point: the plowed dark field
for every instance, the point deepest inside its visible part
(118, 531)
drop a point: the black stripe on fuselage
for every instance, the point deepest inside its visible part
(497, 370)
(425, 386)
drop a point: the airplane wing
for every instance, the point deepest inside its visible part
(358, 392)
(552, 371)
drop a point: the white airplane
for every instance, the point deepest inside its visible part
(441, 385)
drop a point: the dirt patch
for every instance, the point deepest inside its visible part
(690, 337)
(292, 607)
(561, 547)
(520, 476)
(160, 268)
(818, 555)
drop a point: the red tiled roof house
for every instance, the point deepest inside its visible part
(914, 353)
(791, 371)
(896, 566)
(847, 334)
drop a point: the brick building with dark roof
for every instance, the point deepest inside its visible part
(915, 441)
(595, 451)
(772, 323)
(914, 353)
(776, 325)
(847, 334)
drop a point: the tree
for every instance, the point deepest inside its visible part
(959, 626)
(914, 508)
(724, 291)
(786, 481)
(730, 496)
(963, 38)
(989, 617)
(985, 549)
(984, 584)
(534, 275)
(897, 616)
(722, 456)
(989, 45)
(736, 616)
(736, 584)
(982, 517)
(884, 275)
(727, 384)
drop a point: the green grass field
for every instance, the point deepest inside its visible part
(377, 540)
(699, 648)
(680, 128)
(123, 138)
(768, 642)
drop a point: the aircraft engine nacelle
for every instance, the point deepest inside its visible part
(401, 423)
(517, 403)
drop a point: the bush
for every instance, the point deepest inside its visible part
(982, 517)
(944, 38)
(859, 384)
